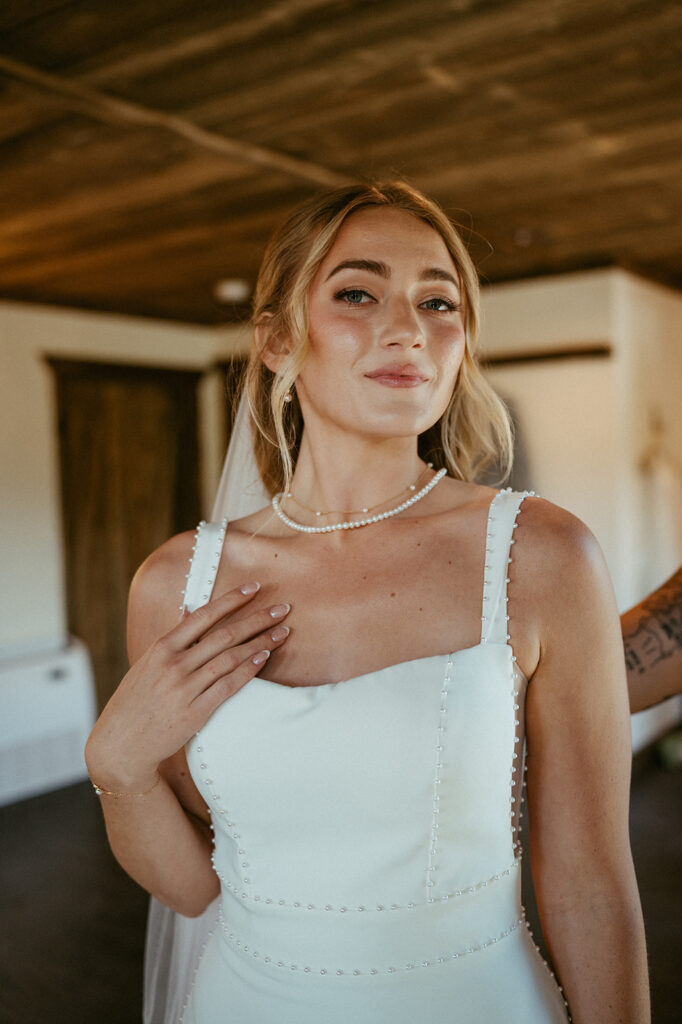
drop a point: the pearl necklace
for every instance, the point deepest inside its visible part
(357, 511)
(360, 522)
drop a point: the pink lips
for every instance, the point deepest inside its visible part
(398, 375)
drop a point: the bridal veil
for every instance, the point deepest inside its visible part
(174, 942)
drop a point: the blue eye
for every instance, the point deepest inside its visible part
(441, 305)
(353, 296)
(359, 297)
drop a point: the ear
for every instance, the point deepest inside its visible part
(273, 347)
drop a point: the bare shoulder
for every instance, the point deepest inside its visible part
(551, 540)
(156, 592)
(562, 581)
(558, 543)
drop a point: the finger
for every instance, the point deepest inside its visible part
(226, 686)
(230, 661)
(233, 633)
(194, 625)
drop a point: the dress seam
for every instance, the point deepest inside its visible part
(269, 959)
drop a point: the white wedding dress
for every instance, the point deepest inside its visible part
(366, 836)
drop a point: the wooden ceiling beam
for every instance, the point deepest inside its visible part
(107, 108)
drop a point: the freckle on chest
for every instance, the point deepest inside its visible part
(394, 602)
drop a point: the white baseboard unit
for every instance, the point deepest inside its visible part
(47, 709)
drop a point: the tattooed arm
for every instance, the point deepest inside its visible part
(652, 638)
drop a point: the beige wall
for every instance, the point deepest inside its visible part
(33, 614)
(585, 422)
(567, 409)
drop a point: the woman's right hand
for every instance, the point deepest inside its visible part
(176, 685)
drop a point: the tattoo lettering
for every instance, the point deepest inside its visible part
(658, 633)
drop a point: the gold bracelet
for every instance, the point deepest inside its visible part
(108, 792)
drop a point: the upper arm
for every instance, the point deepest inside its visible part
(577, 714)
(153, 610)
(155, 594)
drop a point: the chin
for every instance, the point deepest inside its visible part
(397, 426)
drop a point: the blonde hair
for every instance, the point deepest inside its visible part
(474, 432)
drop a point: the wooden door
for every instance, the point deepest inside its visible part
(129, 480)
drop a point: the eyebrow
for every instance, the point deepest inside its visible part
(382, 270)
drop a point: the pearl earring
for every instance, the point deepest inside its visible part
(288, 396)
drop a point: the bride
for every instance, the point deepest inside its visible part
(327, 749)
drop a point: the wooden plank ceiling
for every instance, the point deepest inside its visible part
(148, 149)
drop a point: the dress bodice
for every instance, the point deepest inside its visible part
(370, 826)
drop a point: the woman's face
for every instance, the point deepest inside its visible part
(386, 332)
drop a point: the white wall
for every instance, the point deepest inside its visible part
(547, 313)
(585, 421)
(31, 558)
(567, 408)
(648, 318)
(649, 322)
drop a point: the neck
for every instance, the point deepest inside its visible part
(360, 474)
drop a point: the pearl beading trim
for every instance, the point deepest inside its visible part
(220, 537)
(379, 517)
(489, 534)
(323, 971)
(516, 786)
(546, 964)
(194, 975)
(333, 972)
(378, 908)
(188, 574)
(233, 833)
(435, 810)
(489, 560)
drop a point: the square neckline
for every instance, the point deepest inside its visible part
(448, 656)
(482, 643)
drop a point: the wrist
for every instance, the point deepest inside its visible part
(102, 790)
(120, 775)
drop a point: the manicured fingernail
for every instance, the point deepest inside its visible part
(278, 610)
(280, 633)
(250, 588)
(259, 658)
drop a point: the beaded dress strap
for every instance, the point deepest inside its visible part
(203, 565)
(502, 521)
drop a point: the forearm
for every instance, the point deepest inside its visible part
(652, 642)
(595, 938)
(163, 848)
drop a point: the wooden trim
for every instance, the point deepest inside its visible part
(107, 368)
(599, 350)
(231, 371)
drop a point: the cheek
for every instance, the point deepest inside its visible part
(326, 367)
(451, 358)
(336, 341)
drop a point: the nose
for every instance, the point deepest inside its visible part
(402, 327)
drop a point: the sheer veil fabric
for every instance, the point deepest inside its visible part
(174, 942)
